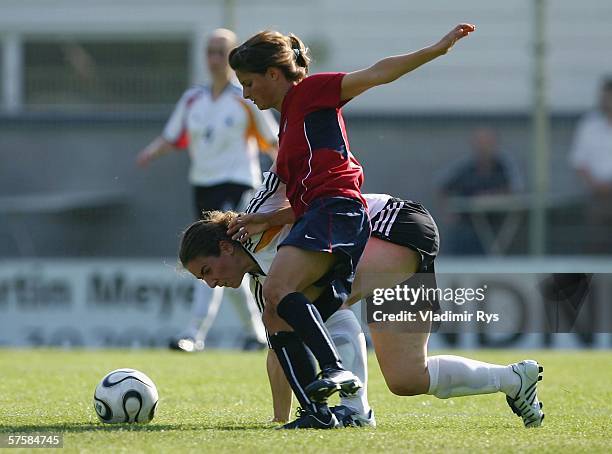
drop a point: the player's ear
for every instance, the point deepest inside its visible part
(273, 73)
(226, 247)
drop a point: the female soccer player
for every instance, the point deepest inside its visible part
(404, 241)
(224, 134)
(323, 186)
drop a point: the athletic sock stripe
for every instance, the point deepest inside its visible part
(295, 380)
(323, 332)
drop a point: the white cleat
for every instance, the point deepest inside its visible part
(526, 403)
(351, 418)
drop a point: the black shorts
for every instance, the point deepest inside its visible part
(409, 224)
(224, 197)
(337, 225)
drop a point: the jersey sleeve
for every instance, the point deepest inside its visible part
(175, 130)
(270, 196)
(322, 91)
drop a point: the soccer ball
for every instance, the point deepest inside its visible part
(125, 395)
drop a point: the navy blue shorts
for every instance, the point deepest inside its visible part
(338, 225)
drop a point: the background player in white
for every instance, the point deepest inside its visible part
(223, 133)
(404, 241)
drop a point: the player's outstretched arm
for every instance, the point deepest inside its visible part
(159, 146)
(391, 68)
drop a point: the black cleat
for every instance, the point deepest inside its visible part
(331, 380)
(310, 420)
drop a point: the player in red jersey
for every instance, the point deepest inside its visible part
(323, 179)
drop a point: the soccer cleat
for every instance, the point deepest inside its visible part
(331, 380)
(347, 417)
(526, 403)
(310, 420)
(186, 344)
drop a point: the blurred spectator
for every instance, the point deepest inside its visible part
(223, 133)
(591, 157)
(485, 172)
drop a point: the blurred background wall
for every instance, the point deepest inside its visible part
(87, 84)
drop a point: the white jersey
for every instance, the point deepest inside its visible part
(262, 247)
(592, 149)
(223, 135)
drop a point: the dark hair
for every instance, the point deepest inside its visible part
(606, 83)
(272, 49)
(202, 237)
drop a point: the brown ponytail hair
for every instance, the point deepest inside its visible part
(272, 49)
(202, 238)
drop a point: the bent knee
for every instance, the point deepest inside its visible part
(272, 321)
(410, 384)
(274, 292)
(406, 388)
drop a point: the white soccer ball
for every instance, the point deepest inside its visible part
(125, 396)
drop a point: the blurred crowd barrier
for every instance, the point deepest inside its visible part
(142, 303)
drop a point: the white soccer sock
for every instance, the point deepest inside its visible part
(454, 376)
(349, 339)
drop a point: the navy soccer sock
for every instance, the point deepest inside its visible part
(297, 363)
(306, 321)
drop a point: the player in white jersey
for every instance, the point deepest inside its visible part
(223, 134)
(400, 229)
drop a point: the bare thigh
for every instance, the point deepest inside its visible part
(402, 355)
(382, 265)
(293, 270)
(401, 347)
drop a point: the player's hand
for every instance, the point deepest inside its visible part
(244, 226)
(144, 158)
(449, 40)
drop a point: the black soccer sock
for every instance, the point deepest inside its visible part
(306, 321)
(297, 363)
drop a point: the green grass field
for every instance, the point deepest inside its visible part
(219, 401)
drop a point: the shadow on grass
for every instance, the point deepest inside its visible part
(88, 427)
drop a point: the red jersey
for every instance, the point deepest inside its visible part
(314, 159)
